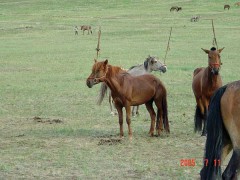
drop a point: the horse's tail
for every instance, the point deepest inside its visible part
(198, 119)
(102, 93)
(165, 113)
(216, 132)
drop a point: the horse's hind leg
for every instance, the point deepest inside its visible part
(199, 116)
(231, 172)
(152, 115)
(159, 124)
(137, 112)
(133, 110)
(204, 130)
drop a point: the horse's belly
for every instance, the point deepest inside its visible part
(142, 97)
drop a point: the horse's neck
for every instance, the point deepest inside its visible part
(213, 80)
(148, 69)
(112, 79)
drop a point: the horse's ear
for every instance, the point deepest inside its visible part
(105, 62)
(95, 60)
(220, 50)
(205, 50)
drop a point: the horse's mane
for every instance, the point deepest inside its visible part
(133, 67)
(112, 70)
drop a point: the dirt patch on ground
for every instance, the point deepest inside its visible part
(46, 120)
(110, 141)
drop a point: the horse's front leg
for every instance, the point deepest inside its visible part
(110, 104)
(128, 119)
(120, 119)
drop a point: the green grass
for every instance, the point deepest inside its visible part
(43, 69)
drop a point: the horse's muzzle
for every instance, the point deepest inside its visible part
(91, 82)
(215, 71)
(163, 68)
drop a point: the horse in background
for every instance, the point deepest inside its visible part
(127, 91)
(223, 134)
(195, 19)
(226, 6)
(176, 8)
(86, 28)
(206, 80)
(150, 64)
(237, 4)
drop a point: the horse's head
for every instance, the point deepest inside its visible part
(99, 71)
(214, 59)
(81, 27)
(153, 64)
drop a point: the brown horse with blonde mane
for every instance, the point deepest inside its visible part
(206, 80)
(128, 91)
(223, 134)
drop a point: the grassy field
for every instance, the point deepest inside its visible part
(50, 125)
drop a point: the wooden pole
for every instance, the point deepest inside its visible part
(214, 35)
(168, 45)
(98, 44)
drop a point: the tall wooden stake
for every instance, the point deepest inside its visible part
(98, 44)
(214, 36)
(168, 45)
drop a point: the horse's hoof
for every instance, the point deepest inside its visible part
(130, 137)
(204, 134)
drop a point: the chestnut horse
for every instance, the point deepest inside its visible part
(150, 64)
(206, 80)
(223, 133)
(127, 91)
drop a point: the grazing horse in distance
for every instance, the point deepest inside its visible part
(150, 64)
(128, 91)
(223, 134)
(226, 6)
(237, 4)
(206, 80)
(176, 8)
(88, 28)
(195, 18)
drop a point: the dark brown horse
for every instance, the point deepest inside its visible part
(130, 91)
(223, 134)
(88, 28)
(226, 6)
(176, 8)
(206, 80)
